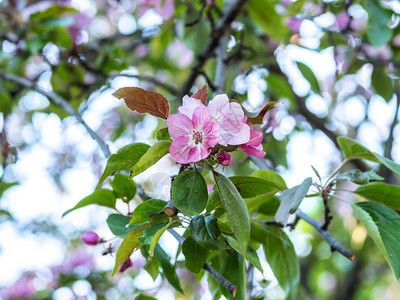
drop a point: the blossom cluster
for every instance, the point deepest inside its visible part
(197, 129)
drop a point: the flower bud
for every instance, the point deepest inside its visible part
(125, 265)
(224, 158)
(90, 238)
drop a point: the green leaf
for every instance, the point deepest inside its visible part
(309, 75)
(205, 231)
(125, 158)
(272, 177)
(189, 192)
(264, 14)
(235, 209)
(168, 268)
(249, 187)
(195, 255)
(359, 177)
(291, 199)
(214, 201)
(378, 31)
(257, 117)
(234, 269)
(382, 224)
(269, 206)
(280, 255)
(380, 192)
(146, 209)
(148, 234)
(102, 197)
(6, 185)
(152, 267)
(382, 83)
(129, 244)
(124, 187)
(144, 297)
(352, 149)
(251, 254)
(153, 155)
(280, 87)
(163, 135)
(156, 238)
(119, 225)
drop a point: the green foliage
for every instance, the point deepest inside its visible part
(129, 244)
(234, 269)
(148, 208)
(205, 232)
(280, 255)
(236, 210)
(309, 76)
(153, 155)
(382, 83)
(168, 269)
(382, 193)
(195, 255)
(359, 177)
(119, 225)
(378, 31)
(124, 187)
(382, 225)
(291, 199)
(125, 158)
(189, 192)
(102, 197)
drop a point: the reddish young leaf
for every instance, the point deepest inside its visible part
(258, 118)
(202, 94)
(144, 101)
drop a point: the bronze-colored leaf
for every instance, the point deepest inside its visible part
(144, 101)
(202, 94)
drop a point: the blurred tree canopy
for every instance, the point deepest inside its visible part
(332, 67)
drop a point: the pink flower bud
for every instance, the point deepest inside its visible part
(210, 188)
(125, 265)
(224, 159)
(90, 238)
(342, 20)
(293, 24)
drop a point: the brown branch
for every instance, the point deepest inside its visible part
(59, 101)
(335, 245)
(224, 24)
(221, 279)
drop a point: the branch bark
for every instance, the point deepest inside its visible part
(221, 279)
(59, 101)
(335, 245)
(224, 24)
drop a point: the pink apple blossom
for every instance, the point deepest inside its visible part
(193, 135)
(294, 24)
(227, 115)
(253, 146)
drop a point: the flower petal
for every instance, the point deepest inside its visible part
(201, 116)
(219, 107)
(233, 133)
(179, 125)
(189, 105)
(180, 149)
(255, 151)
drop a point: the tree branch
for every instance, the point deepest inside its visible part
(222, 60)
(224, 24)
(61, 102)
(335, 246)
(221, 279)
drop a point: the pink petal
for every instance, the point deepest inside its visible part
(233, 133)
(180, 149)
(255, 151)
(255, 138)
(179, 125)
(210, 131)
(189, 105)
(219, 107)
(201, 116)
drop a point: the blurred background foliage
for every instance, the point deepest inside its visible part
(333, 66)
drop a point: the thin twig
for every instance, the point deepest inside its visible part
(335, 246)
(224, 24)
(200, 15)
(59, 101)
(221, 279)
(220, 72)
